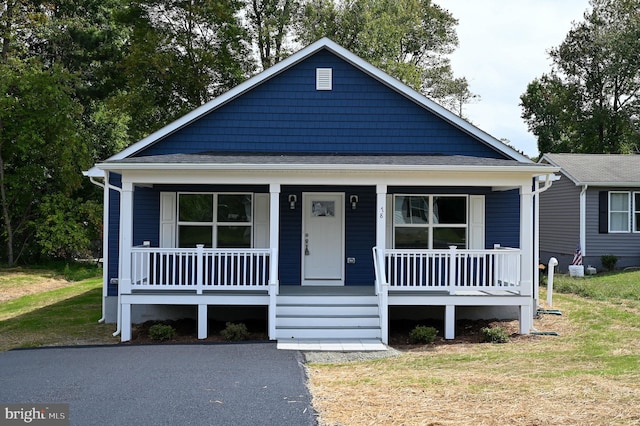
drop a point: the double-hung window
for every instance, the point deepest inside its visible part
(430, 221)
(215, 219)
(636, 212)
(619, 211)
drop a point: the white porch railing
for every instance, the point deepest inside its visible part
(199, 269)
(448, 270)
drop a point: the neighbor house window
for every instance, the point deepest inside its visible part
(429, 221)
(215, 220)
(619, 211)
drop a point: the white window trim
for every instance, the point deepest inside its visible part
(628, 212)
(430, 225)
(214, 223)
(635, 210)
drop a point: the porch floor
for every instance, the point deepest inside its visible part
(332, 345)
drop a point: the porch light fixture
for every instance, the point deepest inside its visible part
(353, 199)
(292, 201)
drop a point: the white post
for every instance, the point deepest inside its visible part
(381, 244)
(450, 322)
(526, 240)
(199, 268)
(202, 321)
(105, 247)
(553, 262)
(452, 269)
(126, 243)
(274, 238)
(381, 216)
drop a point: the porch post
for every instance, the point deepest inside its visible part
(202, 321)
(274, 239)
(526, 250)
(450, 322)
(381, 244)
(381, 216)
(126, 242)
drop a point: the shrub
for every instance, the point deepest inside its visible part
(161, 332)
(422, 334)
(235, 332)
(609, 261)
(494, 335)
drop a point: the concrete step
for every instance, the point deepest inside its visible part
(285, 333)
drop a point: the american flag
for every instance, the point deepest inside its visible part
(577, 257)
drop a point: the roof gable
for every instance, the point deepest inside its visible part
(598, 169)
(361, 92)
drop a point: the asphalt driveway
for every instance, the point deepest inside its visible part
(219, 384)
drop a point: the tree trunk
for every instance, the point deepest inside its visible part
(5, 209)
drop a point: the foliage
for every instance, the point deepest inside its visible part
(609, 261)
(589, 101)
(409, 39)
(422, 334)
(66, 227)
(235, 332)
(270, 21)
(494, 335)
(161, 332)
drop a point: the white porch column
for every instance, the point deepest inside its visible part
(105, 246)
(381, 216)
(526, 250)
(126, 242)
(450, 322)
(381, 244)
(274, 245)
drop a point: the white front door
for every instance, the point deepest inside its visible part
(323, 239)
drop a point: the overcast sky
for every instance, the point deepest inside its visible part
(503, 47)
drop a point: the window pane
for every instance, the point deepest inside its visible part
(189, 236)
(619, 202)
(196, 208)
(637, 228)
(410, 238)
(451, 210)
(445, 237)
(411, 209)
(234, 236)
(234, 208)
(619, 222)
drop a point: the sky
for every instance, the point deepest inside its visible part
(503, 46)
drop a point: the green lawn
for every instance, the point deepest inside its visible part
(589, 374)
(63, 316)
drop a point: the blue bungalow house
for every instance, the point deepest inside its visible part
(327, 192)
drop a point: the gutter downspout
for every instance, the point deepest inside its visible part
(583, 218)
(105, 247)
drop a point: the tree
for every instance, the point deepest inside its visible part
(181, 54)
(409, 39)
(589, 101)
(270, 22)
(41, 151)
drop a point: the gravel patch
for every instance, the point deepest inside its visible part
(340, 357)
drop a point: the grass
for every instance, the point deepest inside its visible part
(590, 374)
(65, 313)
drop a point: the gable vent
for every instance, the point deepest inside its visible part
(324, 79)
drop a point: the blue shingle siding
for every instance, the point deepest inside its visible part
(146, 216)
(287, 114)
(502, 218)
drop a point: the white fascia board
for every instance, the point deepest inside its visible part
(612, 184)
(94, 172)
(299, 56)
